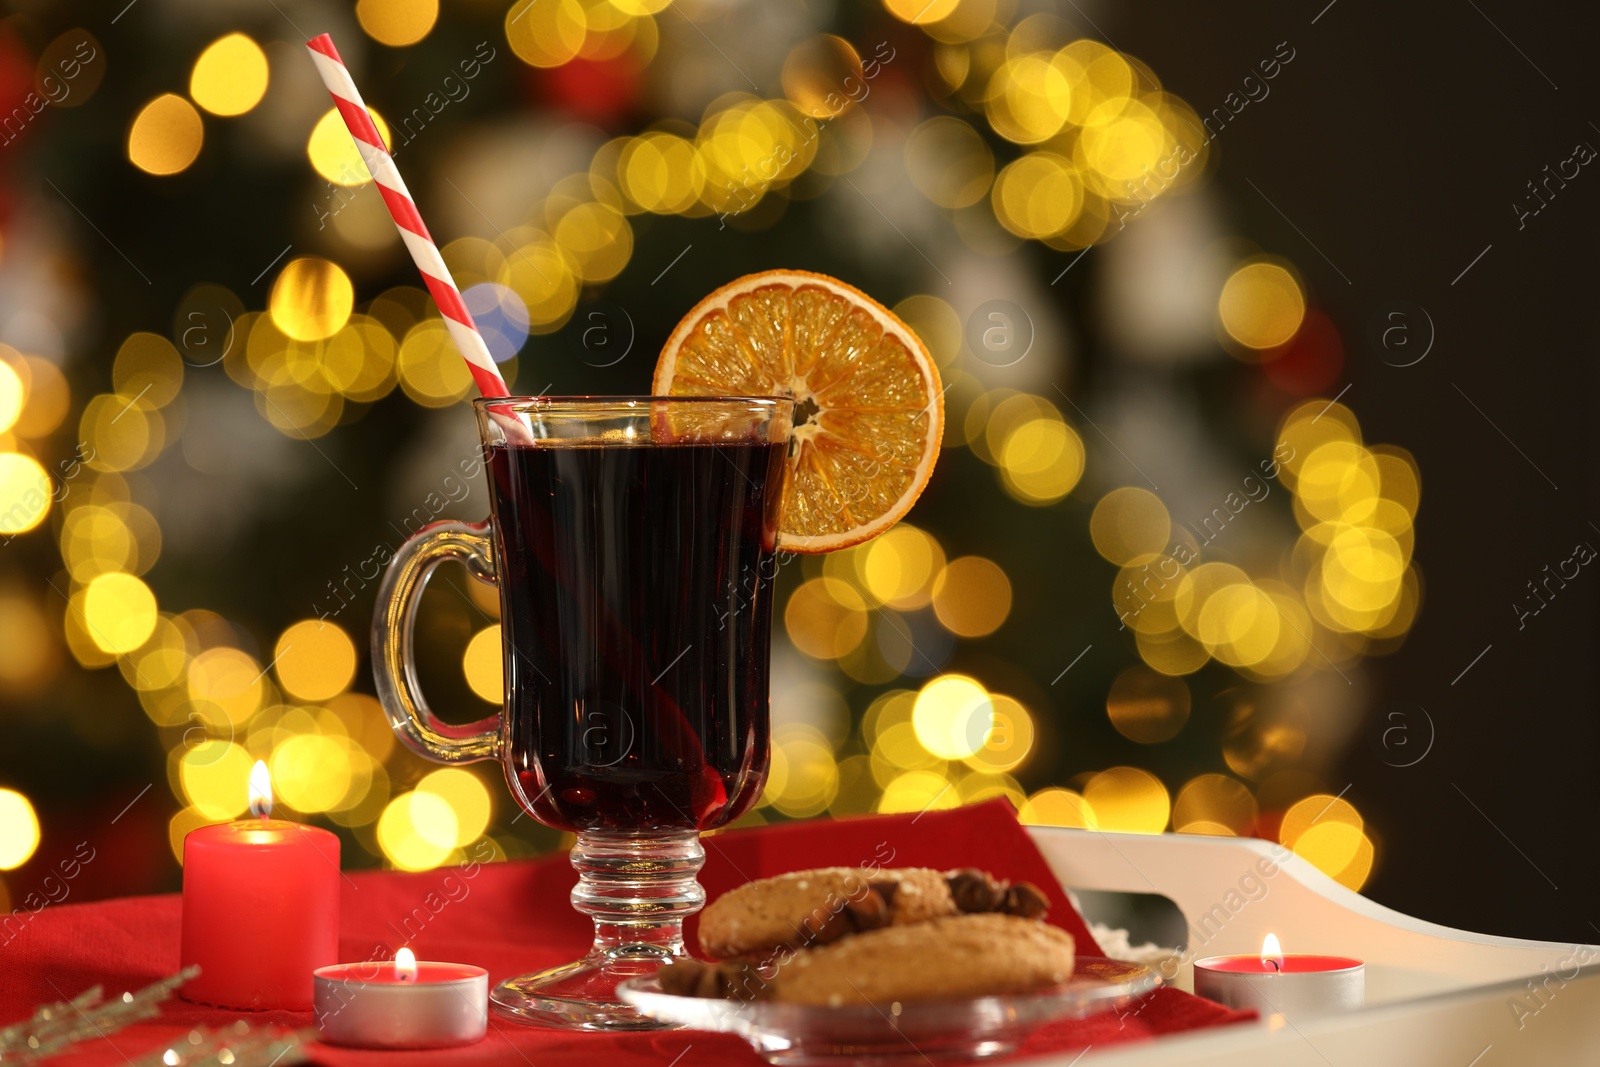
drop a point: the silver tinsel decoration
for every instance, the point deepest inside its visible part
(237, 1045)
(56, 1026)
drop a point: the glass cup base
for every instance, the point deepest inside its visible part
(582, 995)
(638, 887)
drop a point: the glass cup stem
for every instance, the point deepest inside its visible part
(638, 887)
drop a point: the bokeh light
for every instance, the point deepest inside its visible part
(310, 772)
(1129, 524)
(1038, 195)
(808, 778)
(119, 612)
(546, 33)
(501, 317)
(1029, 99)
(123, 431)
(598, 239)
(25, 493)
(1123, 151)
(397, 23)
(333, 153)
(1101, 79)
(921, 12)
(1147, 706)
(1328, 832)
(74, 58)
(972, 596)
(822, 76)
(1261, 305)
(11, 396)
(147, 368)
(1040, 457)
(184, 822)
(228, 683)
(314, 660)
(952, 716)
(483, 663)
(311, 299)
(1054, 806)
(467, 798)
(418, 831)
(19, 830)
(898, 568)
(230, 77)
(1128, 800)
(1010, 737)
(165, 136)
(919, 791)
(1214, 804)
(48, 397)
(1316, 808)
(431, 371)
(215, 777)
(1238, 624)
(662, 172)
(826, 618)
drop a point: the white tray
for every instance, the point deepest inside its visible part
(1434, 995)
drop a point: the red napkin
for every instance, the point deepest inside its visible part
(513, 918)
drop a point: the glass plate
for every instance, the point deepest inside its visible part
(892, 1033)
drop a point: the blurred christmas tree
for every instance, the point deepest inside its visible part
(224, 400)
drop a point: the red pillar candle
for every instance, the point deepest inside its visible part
(260, 908)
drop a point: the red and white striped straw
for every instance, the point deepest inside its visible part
(424, 253)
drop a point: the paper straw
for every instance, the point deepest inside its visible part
(424, 253)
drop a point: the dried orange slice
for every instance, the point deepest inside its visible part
(870, 410)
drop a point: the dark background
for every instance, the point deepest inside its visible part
(1397, 141)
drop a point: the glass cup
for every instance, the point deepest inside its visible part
(632, 540)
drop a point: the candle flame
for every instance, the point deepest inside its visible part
(1272, 952)
(405, 965)
(260, 790)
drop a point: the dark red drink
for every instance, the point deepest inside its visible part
(636, 595)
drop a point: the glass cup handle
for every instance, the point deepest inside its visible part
(393, 634)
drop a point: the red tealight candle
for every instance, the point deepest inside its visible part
(404, 1004)
(260, 908)
(1293, 963)
(1289, 984)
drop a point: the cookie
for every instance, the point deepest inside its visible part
(820, 906)
(944, 959)
(817, 907)
(948, 958)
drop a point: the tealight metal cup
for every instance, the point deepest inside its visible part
(1292, 994)
(445, 1006)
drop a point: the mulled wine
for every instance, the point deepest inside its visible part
(636, 586)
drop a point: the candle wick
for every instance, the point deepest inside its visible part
(1275, 965)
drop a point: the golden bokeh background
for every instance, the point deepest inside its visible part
(918, 671)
